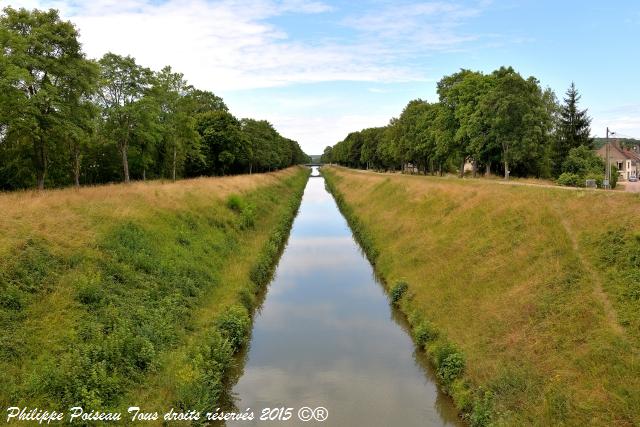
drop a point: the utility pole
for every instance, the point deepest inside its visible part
(608, 160)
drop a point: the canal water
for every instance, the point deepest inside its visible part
(327, 337)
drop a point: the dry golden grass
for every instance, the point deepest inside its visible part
(62, 216)
(513, 275)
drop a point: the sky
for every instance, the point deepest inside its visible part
(318, 70)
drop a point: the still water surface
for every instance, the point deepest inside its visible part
(327, 336)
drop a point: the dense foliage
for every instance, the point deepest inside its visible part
(498, 122)
(65, 119)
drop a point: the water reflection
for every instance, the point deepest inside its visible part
(326, 336)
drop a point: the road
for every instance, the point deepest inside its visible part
(632, 187)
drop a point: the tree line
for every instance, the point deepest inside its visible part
(66, 119)
(497, 123)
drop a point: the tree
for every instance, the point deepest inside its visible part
(122, 85)
(327, 156)
(44, 74)
(574, 129)
(583, 161)
(261, 138)
(78, 132)
(461, 92)
(176, 104)
(203, 101)
(223, 142)
(517, 119)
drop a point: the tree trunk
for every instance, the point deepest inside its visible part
(41, 163)
(76, 169)
(250, 168)
(462, 162)
(487, 170)
(40, 180)
(506, 169)
(125, 163)
(475, 168)
(144, 173)
(175, 157)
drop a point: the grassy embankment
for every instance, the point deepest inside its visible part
(526, 299)
(135, 295)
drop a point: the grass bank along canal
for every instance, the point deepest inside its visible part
(326, 335)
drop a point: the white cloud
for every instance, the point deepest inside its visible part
(414, 26)
(230, 45)
(624, 121)
(223, 45)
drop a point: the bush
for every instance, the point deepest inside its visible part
(399, 289)
(208, 366)
(597, 177)
(235, 203)
(246, 210)
(424, 332)
(248, 216)
(482, 410)
(449, 362)
(451, 367)
(570, 180)
(234, 325)
(582, 161)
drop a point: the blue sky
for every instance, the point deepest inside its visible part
(319, 69)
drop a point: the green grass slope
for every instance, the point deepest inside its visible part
(526, 299)
(138, 294)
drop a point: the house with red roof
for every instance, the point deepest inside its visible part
(626, 159)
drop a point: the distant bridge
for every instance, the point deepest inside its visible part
(314, 164)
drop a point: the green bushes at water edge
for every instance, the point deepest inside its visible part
(210, 362)
(397, 291)
(475, 404)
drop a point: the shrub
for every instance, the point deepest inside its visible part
(89, 291)
(12, 298)
(204, 383)
(569, 179)
(247, 299)
(451, 367)
(246, 210)
(424, 332)
(234, 325)
(449, 362)
(398, 290)
(235, 203)
(582, 161)
(482, 410)
(247, 216)
(597, 177)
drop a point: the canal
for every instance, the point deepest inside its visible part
(326, 336)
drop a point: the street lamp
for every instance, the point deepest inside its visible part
(607, 173)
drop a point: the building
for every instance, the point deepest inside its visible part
(627, 160)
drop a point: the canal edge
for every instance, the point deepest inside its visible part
(474, 404)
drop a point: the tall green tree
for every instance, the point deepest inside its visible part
(43, 72)
(574, 128)
(517, 119)
(176, 105)
(261, 139)
(223, 143)
(461, 93)
(123, 83)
